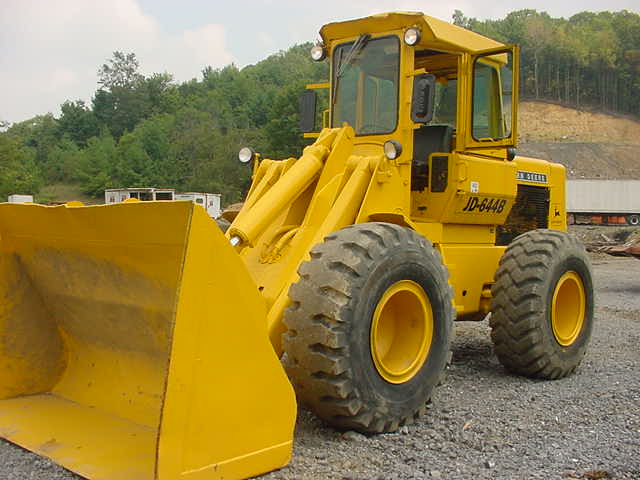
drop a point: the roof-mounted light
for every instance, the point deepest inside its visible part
(411, 36)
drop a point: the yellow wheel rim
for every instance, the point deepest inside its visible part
(567, 309)
(401, 331)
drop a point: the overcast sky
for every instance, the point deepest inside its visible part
(50, 50)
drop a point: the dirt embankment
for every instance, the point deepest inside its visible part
(589, 144)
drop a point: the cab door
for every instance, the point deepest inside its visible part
(485, 188)
(490, 102)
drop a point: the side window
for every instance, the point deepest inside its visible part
(484, 119)
(444, 66)
(492, 80)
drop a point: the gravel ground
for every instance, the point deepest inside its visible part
(485, 423)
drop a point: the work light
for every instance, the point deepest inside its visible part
(318, 53)
(411, 36)
(392, 149)
(246, 154)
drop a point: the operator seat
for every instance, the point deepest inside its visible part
(428, 139)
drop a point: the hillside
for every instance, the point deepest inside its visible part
(590, 144)
(151, 131)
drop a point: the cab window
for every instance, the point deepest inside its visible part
(444, 66)
(492, 80)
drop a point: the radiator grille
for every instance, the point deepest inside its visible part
(531, 211)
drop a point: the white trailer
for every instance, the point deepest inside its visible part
(17, 198)
(613, 202)
(210, 201)
(117, 195)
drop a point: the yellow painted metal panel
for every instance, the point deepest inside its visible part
(435, 33)
(470, 268)
(492, 183)
(106, 278)
(83, 439)
(32, 358)
(229, 410)
(557, 197)
(96, 303)
(317, 86)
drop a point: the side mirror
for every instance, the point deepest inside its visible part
(424, 89)
(308, 101)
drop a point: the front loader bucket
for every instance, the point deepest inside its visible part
(133, 345)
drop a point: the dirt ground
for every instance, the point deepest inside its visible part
(589, 143)
(485, 423)
(544, 121)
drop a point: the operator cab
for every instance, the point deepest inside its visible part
(377, 61)
(435, 91)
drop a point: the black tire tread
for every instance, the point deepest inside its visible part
(317, 355)
(518, 298)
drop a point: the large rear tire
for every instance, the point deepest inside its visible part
(369, 327)
(542, 307)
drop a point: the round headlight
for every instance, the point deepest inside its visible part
(411, 36)
(392, 149)
(318, 53)
(246, 154)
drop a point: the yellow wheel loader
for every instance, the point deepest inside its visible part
(139, 342)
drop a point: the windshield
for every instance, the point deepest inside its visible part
(365, 83)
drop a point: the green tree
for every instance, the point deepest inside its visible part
(126, 97)
(582, 61)
(64, 162)
(121, 70)
(41, 135)
(77, 122)
(18, 170)
(282, 130)
(97, 165)
(120, 103)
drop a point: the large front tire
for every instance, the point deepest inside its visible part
(369, 327)
(542, 307)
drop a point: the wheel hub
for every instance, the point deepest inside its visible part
(401, 331)
(568, 308)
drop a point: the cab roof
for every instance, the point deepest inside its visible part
(435, 34)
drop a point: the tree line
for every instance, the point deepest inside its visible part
(148, 130)
(589, 60)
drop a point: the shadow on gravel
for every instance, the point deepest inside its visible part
(473, 352)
